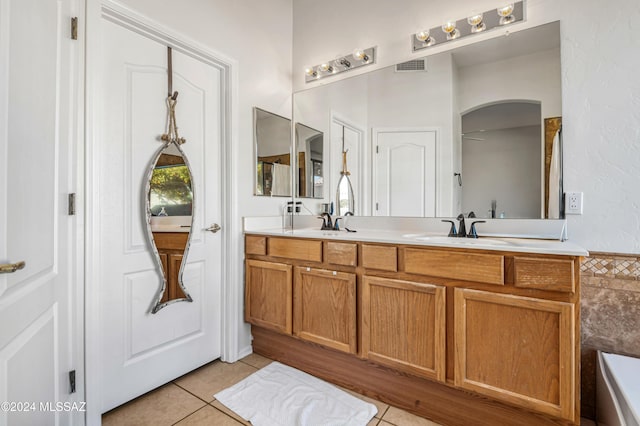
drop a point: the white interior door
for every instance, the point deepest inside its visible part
(404, 172)
(40, 319)
(140, 350)
(350, 138)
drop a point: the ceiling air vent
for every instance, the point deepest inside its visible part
(417, 65)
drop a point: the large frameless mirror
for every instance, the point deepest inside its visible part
(475, 128)
(272, 137)
(309, 154)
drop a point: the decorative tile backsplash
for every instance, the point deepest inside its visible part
(623, 267)
(610, 311)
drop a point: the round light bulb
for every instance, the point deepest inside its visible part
(310, 71)
(360, 55)
(505, 10)
(478, 28)
(453, 34)
(449, 27)
(422, 36)
(326, 68)
(505, 20)
(475, 19)
(342, 62)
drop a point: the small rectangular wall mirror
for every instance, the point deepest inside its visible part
(272, 138)
(309, 152)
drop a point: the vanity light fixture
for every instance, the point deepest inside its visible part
(325, 68)
(359, 58)
(506, 14)
(450, 30)
(425, 38)
(473, 24)
(477, 23)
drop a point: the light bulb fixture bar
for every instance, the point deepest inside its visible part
(475, 23)
(357, 59)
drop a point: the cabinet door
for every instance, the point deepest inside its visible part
(164, 258)
(404, 326)
(325, 308)
(175, 291)
(516, 349)
(268, 295)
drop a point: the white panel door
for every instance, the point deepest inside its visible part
(404, 173)
(352, 142)
(40, 320)
(141, 350)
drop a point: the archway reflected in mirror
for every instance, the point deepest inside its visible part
(169, 209)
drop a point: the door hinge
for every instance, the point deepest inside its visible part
(377, 207)
(72, 204)
(377, 151)
(72, 381)
(74, 28)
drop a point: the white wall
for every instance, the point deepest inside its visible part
(513, 157)
(257, 35)
(384, 99)
(600, 88)
(528, 77)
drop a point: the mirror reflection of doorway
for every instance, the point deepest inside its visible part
(404, 172)
(502, 160)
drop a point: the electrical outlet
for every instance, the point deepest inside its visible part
(573, 203)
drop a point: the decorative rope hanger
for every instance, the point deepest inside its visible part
(172, 100)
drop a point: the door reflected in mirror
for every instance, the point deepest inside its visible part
(310, 152)
(169, 217)
(272, 138)
(345, 199)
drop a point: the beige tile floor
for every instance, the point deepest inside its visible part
(189, 400)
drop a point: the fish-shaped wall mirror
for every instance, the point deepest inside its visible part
(169, 208)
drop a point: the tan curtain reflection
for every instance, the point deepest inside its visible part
(551, 128)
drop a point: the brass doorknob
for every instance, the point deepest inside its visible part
(11, 267)
(214, 228)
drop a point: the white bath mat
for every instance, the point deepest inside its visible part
(278, 395)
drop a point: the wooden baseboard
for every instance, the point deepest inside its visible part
(438, 402)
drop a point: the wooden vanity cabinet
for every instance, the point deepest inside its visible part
(460, 336)
(170, 246)
(269, 295)
(516, 349)
(403, 326)
(324, 304)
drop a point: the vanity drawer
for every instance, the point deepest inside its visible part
(342, 253)
(255, 245)
(482, 268)
(544, 274)
(384, 258)
(171, 240)
(293, 248)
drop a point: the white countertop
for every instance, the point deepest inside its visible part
(170, 223)
(431, 239)
(170, 228)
